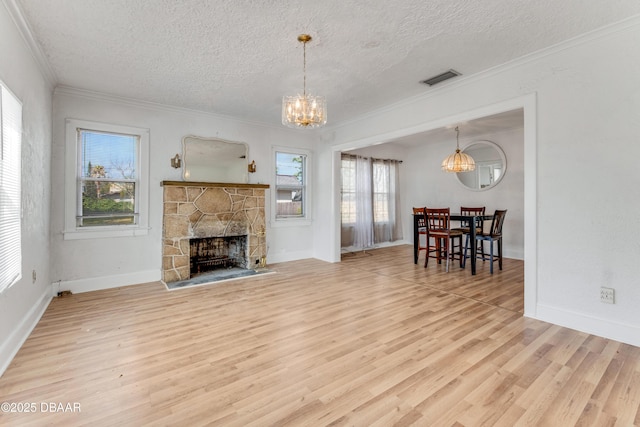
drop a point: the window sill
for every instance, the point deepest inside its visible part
(100, 234)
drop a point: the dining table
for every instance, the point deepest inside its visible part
(467, 219)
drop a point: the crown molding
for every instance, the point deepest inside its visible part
(155, 106)
(16, 14)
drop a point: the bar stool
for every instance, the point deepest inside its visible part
(494, 235)
(438, 223)
(422, 230)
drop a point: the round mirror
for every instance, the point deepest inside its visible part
(491, 164)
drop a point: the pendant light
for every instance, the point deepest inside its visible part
(304, 111)
(458, 161)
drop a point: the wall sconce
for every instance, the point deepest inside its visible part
(252, 166)
(176, 162)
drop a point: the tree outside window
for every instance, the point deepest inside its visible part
(290, 185)
(108, 180)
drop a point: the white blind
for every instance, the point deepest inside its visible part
(10, 202)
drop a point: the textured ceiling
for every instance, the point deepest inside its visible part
(238, 57)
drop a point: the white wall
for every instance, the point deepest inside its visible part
(22, 305)
(83, 265)
(585, 144)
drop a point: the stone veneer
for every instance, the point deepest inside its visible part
(200, 209)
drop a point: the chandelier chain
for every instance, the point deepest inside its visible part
(304, 68)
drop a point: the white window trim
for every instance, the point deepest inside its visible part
(71, 230)
(307, 202)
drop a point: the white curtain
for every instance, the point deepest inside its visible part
(386, 204)
(370, 208)
(363, 231)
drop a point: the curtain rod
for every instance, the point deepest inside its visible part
(372, 158)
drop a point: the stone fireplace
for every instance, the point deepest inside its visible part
(230, 216)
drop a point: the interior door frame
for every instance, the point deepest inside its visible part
(528, 104)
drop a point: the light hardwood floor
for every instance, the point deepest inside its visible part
(372, 341)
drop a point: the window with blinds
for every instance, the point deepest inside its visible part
(10, 196)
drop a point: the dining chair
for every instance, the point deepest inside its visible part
(422, 230)
(438, 223)
(494, 235)
(464, 226)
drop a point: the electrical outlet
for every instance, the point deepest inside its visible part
(607, 295)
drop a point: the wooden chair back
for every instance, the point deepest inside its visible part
(438, 220)
(421, 221)
(469, 211)
(497, 222)
(472, 211)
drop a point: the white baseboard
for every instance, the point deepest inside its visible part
(22, 330)
(623, 332)
(519, 255)
(348, 249)
(288, 256)
(106, 282)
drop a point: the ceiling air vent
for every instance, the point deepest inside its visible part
(440, 77)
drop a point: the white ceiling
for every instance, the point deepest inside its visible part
(239, 57)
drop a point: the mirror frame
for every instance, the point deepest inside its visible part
(206, 161)
(503, 157)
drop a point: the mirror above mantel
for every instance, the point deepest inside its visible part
(491, 165)
(214, 160)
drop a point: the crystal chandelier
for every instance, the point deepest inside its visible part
(458, 161)
(304, 111)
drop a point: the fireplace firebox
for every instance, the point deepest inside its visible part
(213, 253)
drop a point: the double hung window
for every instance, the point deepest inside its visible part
(291, 185)
(109, 182)
(108, 178)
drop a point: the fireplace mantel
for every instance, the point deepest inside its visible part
(210, 184)
(209, 209)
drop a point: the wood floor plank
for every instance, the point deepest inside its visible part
(372, 341)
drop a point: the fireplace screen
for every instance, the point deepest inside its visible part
(212, 253)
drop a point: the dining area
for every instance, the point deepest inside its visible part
(476, 235)
(464, 222)
(492, 189)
